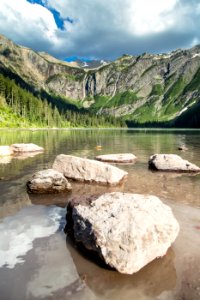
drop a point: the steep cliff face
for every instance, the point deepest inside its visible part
(41, 70)
(139, 88)
(148, 87)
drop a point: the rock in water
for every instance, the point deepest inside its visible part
(5, 151)
(48, 181)
(171, 162)
(126, 230)
(19, 148)
(117, 158)
(182, 148)
(82, 169)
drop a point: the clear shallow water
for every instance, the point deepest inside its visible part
(42, 269)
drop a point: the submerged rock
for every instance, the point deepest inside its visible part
(82, 169)
(171, 162)
(126, 230)
(48, 181)
(19, 148)
(117, 158)
(5, 151)
(182, 148)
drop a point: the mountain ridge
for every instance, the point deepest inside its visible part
(141, 89)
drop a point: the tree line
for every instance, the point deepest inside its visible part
(48, 112)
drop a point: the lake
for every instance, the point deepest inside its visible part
(37, 261)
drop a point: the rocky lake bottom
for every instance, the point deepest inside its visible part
(38, 261)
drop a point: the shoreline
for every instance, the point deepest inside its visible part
(101, 128)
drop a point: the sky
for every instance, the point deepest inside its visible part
(101, 29)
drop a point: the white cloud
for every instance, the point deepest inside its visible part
(151, 17)
(134, 16)
(119, 24)
(23, 21)
(102, 28)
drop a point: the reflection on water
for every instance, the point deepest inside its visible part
(53, 274)
(46, 267)
(187, 252)
(79, 189)
(18, 232)
(8, 159)
(170, 186)
(151, 281)
(82, 143)
(5, 159)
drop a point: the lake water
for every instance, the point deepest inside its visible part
(36, 259)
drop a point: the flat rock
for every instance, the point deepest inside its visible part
(48, 181)
(117, 158)
(127, 231)
(20, 148)
(5, 151)
(171, 162)
(82, 169)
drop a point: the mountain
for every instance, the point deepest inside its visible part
(141, 89)
(27, 101)
(90, 64)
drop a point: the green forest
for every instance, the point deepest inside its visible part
(22, 108)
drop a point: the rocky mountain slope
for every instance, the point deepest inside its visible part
(145, 88)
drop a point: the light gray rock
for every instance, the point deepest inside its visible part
(82, 169)
(171, 162)
(117, 158)
(5, 151)
(19, 148)
(48, 181)
(126, 230)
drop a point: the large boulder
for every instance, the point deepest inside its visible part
(48, 181)
(117, 158)
(171, 162)
(20, 148)
(82, 169)
(126, 230)
(5, 151)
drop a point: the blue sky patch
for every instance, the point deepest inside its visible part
(74, 58)
(58, 19)
(36, 1)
